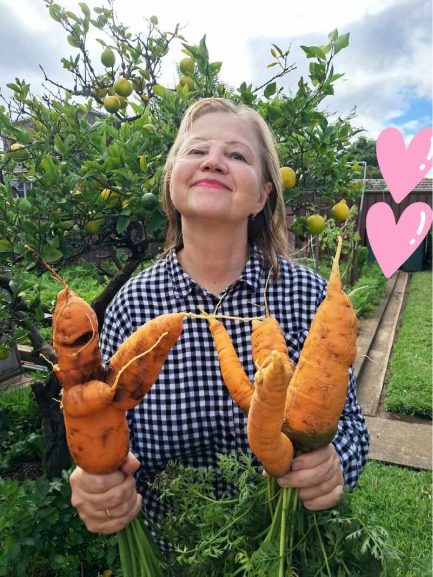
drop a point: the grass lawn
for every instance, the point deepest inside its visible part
(400, 500)
(409, 389)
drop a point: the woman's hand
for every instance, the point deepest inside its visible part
(106, 503)
(318, 477)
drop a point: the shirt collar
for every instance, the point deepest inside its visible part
(183, 284)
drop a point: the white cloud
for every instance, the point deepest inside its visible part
(387, 63)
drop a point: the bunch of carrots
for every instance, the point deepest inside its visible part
(95, 398)
(289, 409)
(292, 409)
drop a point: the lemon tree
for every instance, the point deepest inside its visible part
(91, 158)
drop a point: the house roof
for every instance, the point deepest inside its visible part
(379, 184)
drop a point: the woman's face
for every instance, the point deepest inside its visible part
(217, 173)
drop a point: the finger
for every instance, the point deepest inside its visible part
(95, 483)
(101, 522)
(115, 496)
(116, 524)
(325, 501)
(313, 458)
(131, 464)
(321, 489)
(120, 511)
(308, 477)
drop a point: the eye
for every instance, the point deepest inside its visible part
(238, 156)
(196, 152)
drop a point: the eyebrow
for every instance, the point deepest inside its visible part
(229, 142)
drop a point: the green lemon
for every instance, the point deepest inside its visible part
(186, 66)
(150, 128)
(94, 226)
(149, 201)
(5, 245)
(108, 58)
(187, 81)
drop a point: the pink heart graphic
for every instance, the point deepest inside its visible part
(392, 243)
(403, 168)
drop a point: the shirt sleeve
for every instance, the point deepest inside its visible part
(352, 438)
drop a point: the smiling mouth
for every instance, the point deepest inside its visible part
(211, 184)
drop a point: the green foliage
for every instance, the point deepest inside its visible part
(72, 150)
(364, 149)
(223, 536)
(409, 391)
(371, 285)
(41, 534)
(20, 428)
(399, 499)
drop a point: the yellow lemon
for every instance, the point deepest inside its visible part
(340, 211)
(316, 224)
(18, 151)
(111, 104)
(110, 196)
(123, 87)
(288, 176)
(143, 162)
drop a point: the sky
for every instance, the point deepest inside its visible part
(387, 66)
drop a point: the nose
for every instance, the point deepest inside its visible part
(214, 161)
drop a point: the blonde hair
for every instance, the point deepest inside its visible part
(268, 230)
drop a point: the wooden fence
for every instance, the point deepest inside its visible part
(376, 191)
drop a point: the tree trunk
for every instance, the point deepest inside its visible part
(99, 305)
(55, 452)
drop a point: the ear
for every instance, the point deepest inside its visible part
(264, 194)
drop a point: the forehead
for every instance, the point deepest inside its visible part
(225, 127)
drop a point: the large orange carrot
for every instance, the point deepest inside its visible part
(94, 410)
(265, 418)
(75, 340)
(136, 380)
(98, 439)
(317, 391)
(233, 373)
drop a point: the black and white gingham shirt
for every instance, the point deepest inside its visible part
(188, 415)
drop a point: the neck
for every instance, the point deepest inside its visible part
(214, 260)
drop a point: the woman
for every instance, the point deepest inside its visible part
(222, 194)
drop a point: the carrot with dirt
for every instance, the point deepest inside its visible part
(136, 380)
(233, 373)
(75, 339)
(94, 401)
(267, 336)
(265, 418)
(318, 388)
